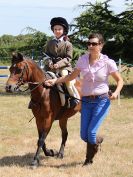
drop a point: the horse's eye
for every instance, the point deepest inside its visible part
(15, 70)
(18, 70)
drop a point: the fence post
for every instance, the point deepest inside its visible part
(32, 54)
(119, 67)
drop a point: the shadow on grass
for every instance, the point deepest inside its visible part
(25, 161)
(18, 160)
(66, 165)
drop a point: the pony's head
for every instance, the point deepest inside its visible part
(18, 73)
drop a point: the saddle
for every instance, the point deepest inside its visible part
(63, 93)
(66, 100)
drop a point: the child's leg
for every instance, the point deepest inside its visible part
(71, 90)
(70, 85)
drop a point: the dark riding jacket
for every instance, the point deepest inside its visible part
(60, 53)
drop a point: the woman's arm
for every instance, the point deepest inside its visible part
(62, 79)
(119, 80)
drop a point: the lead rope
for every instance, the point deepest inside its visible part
(31, 119)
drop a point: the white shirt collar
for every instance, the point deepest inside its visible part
(60, 39)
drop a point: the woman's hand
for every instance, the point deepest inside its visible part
(50, 82)
(116, 75)
(113, 96)
(53, 66)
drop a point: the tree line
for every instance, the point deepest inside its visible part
(96, 17)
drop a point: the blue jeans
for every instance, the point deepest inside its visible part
(93, 112)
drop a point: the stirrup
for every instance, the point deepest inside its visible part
(73, 102)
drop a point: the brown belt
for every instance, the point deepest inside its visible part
(97, 96)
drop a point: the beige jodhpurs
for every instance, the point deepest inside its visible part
(70, 87)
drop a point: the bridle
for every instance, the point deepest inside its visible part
(21, 78)
(21, 81)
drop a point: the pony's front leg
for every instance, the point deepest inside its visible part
(63, 126)
(40, 144)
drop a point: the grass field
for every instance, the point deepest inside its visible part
(18, 140)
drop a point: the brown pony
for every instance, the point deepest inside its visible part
(47, 105)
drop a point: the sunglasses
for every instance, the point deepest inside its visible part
(93, 43)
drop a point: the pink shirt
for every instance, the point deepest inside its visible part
(95, 77)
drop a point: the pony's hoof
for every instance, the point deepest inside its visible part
(87, 162)
(60, 156)
(34, 164)
(56, 153)
(51, 153)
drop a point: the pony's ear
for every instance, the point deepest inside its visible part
(20, 56)
(17, 57)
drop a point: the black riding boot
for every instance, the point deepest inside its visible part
(73, 102)
(92, 150)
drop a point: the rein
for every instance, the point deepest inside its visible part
(36, 83)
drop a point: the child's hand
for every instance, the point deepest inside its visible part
(51, 66)
(55, 66)
(50, 82)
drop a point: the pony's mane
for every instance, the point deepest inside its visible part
(29, 60)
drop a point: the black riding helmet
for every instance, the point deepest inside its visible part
(60, 21)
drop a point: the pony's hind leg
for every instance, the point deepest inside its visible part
(63, 126)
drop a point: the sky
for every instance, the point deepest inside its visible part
(17, 15)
